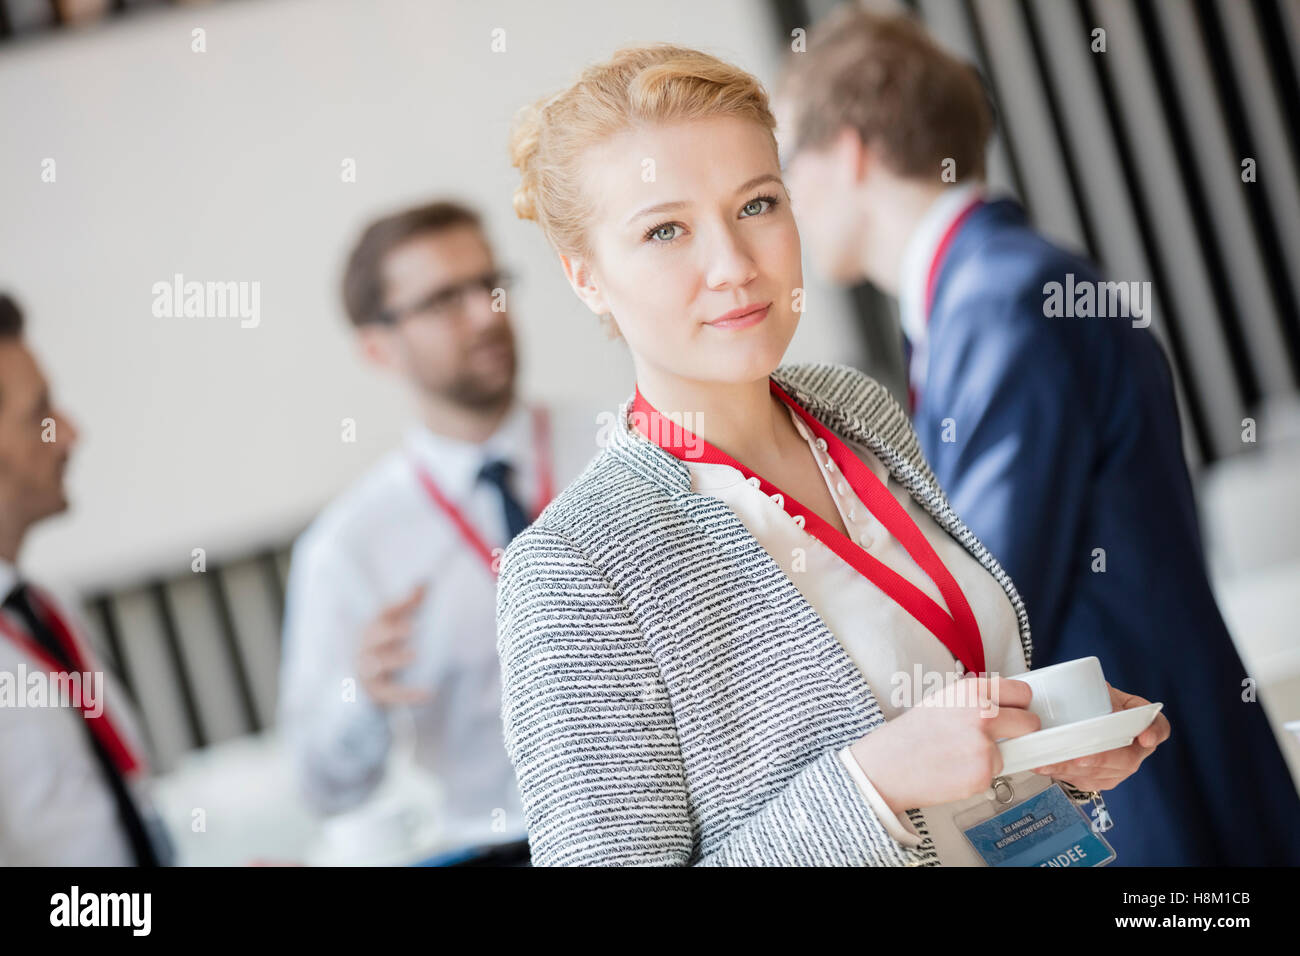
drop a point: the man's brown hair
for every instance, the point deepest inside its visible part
(887, 78)
(363, 283)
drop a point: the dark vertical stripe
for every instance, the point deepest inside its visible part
(1151, 243)
(1058, 130)
(171, 641)
(1184, 146)
(230, 639)
(982, 59)
(103, 607)
(1272, 32)
(1233, 108)
(790, 15)
(274, 586)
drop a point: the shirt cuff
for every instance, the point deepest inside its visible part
(899, 827)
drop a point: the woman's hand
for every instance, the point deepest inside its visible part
(945, 748)
(1105, 770)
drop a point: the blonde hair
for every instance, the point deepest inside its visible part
(637, 86)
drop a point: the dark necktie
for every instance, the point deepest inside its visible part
(497, 472)
(21, 605)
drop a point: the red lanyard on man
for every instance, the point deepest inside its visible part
(112, 740)
(932, 279)
(958, 631)
(542, 453)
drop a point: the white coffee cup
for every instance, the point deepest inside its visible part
(1068, 692)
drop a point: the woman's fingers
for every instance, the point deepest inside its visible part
(1118, 763)
(1011, 722)
(1008, 692)
(1157, 733)
(1093, 783)
(1123, 760)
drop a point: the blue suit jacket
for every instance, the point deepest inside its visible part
(1065, 440)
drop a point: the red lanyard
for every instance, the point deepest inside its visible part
(119, 751)
(932, 277)
(542, 450)
(959, 631)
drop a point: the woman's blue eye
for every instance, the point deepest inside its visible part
(655, 233)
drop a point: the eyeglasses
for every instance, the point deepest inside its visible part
(451, 300)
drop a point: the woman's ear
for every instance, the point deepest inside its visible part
(582, 279)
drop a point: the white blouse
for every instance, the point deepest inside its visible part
(884, 640)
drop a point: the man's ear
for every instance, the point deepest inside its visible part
(375, 342)
(579, 273)
(860, 157)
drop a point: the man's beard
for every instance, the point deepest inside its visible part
(473, 390)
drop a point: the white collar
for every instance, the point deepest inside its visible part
(454, 463)
(920, 251)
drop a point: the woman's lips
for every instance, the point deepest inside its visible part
(744, 321)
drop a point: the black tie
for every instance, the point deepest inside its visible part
(497, 472)
(20, 604)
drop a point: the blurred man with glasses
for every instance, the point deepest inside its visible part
(390, 631)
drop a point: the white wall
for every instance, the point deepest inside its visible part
(225, 166)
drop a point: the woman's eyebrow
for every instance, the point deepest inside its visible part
(677, 204)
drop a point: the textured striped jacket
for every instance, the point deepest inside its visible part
(669, 697)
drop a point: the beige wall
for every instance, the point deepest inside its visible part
(225, 165)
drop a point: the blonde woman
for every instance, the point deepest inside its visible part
(702, 637)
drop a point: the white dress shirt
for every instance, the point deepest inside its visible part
(369, 549)
(918, 256)
(56, 809)
(879, 635)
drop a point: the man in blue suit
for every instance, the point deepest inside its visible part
(1047, 410)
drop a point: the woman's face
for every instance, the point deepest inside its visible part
(692, 222)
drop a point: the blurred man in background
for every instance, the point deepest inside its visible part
(1057, 439)
(392, 593)
(71, 765)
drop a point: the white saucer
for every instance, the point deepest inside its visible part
(1079, 739)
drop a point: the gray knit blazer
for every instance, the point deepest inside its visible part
(669, 697)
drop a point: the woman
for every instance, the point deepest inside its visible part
(702, 637)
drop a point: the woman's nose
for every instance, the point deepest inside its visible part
(729, 263)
